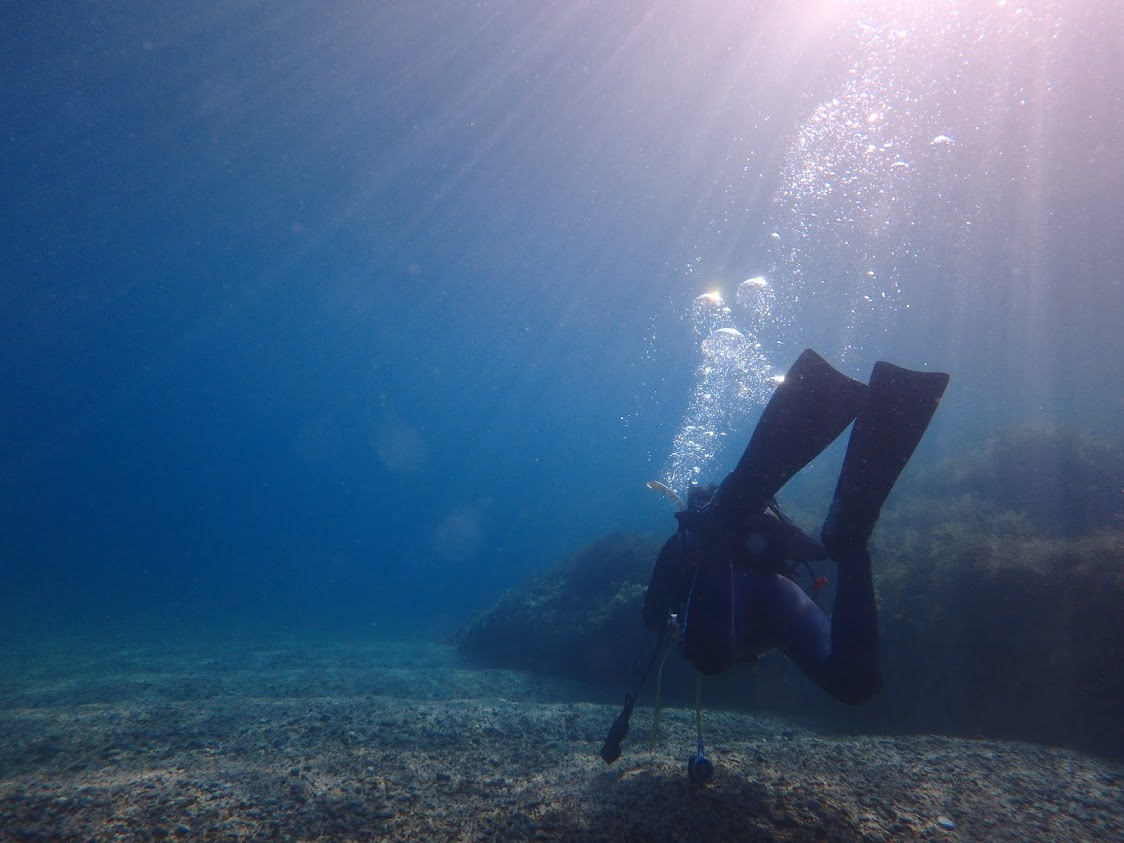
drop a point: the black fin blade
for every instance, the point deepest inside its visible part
(806, 413)
(900, 404)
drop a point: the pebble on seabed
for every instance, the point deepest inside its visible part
(946, 823)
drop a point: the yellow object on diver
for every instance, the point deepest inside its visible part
(667, 492)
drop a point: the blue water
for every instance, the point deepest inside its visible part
(346, 317)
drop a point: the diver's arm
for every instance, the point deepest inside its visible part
(773, 540)
(801, 547)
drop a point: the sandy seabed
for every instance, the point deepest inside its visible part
(401, 741)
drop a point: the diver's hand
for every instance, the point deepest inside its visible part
(800, 547)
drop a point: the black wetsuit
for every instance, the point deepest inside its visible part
(733, 611)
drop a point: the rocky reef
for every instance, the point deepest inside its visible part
(1065, 481)
(1000, 579)
(580, 620)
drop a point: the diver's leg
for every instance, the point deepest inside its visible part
(854, 674)
(790, 621)
(840, 655)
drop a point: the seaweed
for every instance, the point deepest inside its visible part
(993, 626)
(1066, 481)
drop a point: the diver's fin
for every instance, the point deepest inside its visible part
(806, 413)
(899, 406)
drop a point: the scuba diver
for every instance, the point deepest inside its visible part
(724, 584)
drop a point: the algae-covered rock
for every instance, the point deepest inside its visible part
(991, 627)
(1067, 482)
(581, 619)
